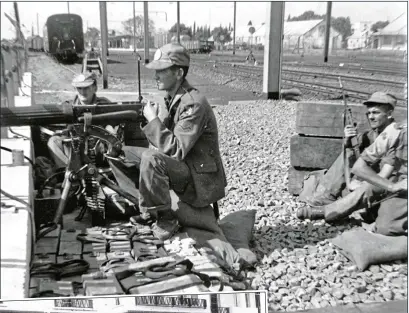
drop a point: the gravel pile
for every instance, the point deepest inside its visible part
(298, 265)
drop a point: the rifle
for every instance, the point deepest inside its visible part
(348, 120)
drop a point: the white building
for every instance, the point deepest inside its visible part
(393, 36)
(361, 33)
(298, 35)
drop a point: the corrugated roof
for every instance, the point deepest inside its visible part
(298, 28)
(396, 27)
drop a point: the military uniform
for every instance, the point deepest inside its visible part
(390, 147)
(186, 157)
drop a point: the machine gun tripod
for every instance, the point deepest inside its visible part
(82, 171)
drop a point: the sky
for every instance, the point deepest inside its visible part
(164, 14)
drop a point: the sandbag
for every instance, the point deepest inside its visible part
(238, 230)
(310, 184)
(365, 248)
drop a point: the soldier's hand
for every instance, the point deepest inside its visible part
(350, 131)
(150, 110)
(400, 186)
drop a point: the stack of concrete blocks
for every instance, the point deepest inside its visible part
(318, 142)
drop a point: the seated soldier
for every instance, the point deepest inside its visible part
(332, 184)
(389, 189)
(86, 87)
(186, 156)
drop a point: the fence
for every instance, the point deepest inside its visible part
(14, 61)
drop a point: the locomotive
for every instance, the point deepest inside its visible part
(64, 36)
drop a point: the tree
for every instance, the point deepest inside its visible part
(128, 26)
(184, 30)
(289, 18)
(221, 35)
(92, 36)
(379, 25)
(343, 26)
(306, 16)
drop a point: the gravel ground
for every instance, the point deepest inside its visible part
(298, 265)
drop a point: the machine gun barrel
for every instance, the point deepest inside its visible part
(67, 113)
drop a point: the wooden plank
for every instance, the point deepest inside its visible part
(295, 180)
(314, 152)
(326, 118)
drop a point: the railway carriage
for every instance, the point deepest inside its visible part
(64, 36)
(198, 46)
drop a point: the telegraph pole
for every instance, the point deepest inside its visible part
(272, 53)
(104, 41)
(178, 22)
(134, 29)
(18, 30)
(38, 26)
(327, 30)
(68, 6)
(146, 27)
(234, 29)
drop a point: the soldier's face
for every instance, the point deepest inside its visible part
(86, 94)
(165, 79)
(378, 115)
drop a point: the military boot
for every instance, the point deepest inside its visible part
(166, 225)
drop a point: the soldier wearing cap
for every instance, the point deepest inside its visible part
(86, 87)
(186, 156)
(324, 203)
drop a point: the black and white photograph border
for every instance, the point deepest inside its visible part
(233, 302)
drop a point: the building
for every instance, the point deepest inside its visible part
(361, 33)
(298, 36)
(240, 302)
(393, 36)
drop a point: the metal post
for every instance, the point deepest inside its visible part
(18, 31)
(327, 30)
(104, 41)
(134, 29)
(68, 6)
(38, 26)
(146, 28)
(234, 29)
(178, 21)
(272, 53)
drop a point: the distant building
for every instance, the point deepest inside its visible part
(361, 33)
(298, 36)
(393, 36)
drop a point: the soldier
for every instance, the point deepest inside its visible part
(332, 183)
(86, 87)
(391, 216)
(186, 156)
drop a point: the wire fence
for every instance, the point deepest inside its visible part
(14, 62)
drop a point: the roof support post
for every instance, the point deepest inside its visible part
(273, 47)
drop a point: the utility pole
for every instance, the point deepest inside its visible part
(178, 21)
(272, 53)
(104, 41)
(327, 30)
(38, 26)
(68, 6)
(146, 28)
(18, 30)
(234, 29)
(134, 29)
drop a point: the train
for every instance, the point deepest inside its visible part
(35, 43)
(64, 36)
(198, 46)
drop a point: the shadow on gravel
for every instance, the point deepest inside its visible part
(268, 239)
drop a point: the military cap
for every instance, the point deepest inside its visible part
(84, 80)
(380, 97)
(168, 55)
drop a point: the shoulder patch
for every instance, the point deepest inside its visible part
(384, 135)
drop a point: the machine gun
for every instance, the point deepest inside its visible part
(348, 120)
(84, 137)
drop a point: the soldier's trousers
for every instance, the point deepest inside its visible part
(392, 214)
(154, 174)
